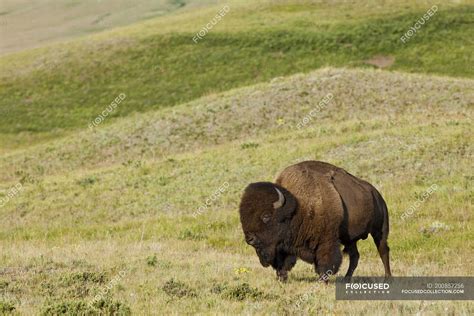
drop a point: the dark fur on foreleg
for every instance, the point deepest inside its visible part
(283, 263)
(328, 260)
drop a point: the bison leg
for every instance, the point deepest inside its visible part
(383, 249)
(282, 271)
(353, 253)
(328, 259)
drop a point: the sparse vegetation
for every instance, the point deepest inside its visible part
(244, 291)
(6, 307)
(176, 289)
(249, 145)
(81, 307)
(152, 261)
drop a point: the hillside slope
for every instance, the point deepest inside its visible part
(49, 92)
(254, 111)
(95, 195)
(25, 24)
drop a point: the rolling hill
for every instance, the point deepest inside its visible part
(88, 199)
(157, 64)
(105, 219)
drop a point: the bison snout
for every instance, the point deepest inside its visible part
(263, 257)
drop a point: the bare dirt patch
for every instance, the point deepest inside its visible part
(381, 61)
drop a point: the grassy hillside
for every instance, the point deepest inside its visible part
(156, 63)
(110, 211)
(116, 204)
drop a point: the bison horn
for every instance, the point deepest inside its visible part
(281, 199)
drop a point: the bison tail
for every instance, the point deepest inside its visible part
(381, 229)
(381, 236)
(385, 226)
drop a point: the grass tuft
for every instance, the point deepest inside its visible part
(177, 289)
(243, 291)
(82, 307)
(6, 307)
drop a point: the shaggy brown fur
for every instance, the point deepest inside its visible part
(323, 206)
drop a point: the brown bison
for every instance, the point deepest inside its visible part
(311, 208)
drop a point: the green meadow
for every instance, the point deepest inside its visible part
(103, 221)
(68, 84)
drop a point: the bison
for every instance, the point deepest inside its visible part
(310, 210)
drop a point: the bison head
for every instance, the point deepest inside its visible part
(265, 213)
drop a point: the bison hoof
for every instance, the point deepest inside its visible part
(282, 276)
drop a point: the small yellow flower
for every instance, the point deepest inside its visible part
(241, 270)
(280, 121)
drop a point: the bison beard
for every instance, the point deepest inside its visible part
(310, 210)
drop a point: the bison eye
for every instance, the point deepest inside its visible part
(266, 218)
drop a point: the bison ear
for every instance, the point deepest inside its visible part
(285, 206)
